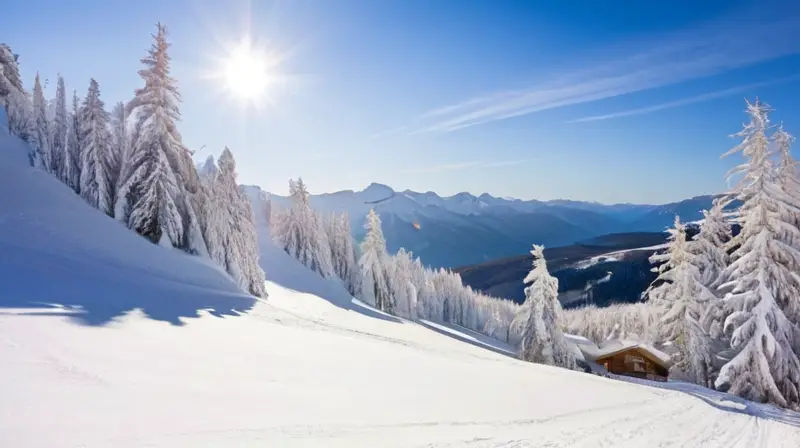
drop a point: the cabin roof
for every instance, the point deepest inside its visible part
(592, 352)
(654, 354)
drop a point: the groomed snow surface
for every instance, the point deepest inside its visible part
(109, 341)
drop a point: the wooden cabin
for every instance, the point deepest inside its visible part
(620, 357)
(636, 361)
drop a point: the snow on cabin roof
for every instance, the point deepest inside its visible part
(591, 352)
(614, 346)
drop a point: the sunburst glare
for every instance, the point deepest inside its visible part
(248, 73)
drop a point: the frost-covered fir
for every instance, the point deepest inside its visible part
(762, 277)
(787, 165)
(300, 232)
(118, 151)
(40, 138)
(402, 286)
(95, 145)
(13, 96)
(343, 253)
(73, 158)
(59, 132)
(154, 195)
(681, 300)
(710, 247)
(373, 265)
(711, 244)
(230, 233)
(429, 305)
(542, 340)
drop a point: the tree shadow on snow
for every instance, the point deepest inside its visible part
(95, 290)
(283, 270)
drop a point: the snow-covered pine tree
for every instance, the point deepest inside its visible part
(542, 340)
(787, 170)
(402, 286)
(73, 158)
(59, 132)
(13, 96)
(428, 304)
(682, 300)
(343, 254)
(711, 259)
(373, 266)
(711, 244)
(95, 142)
(230, 234)
(40, 139)
(762, 277)
(118, 151)
(300, 232)
(158, 157)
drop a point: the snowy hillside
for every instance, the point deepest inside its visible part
(59, 250)
(100, 348)
(464, 229)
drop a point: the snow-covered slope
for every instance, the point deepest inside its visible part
(56, 249)
(307, 367)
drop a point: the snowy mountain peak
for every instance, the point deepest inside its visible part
(376, 192)
(464, 196)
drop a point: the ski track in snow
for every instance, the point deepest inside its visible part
(188, 361)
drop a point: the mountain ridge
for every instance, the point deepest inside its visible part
(464, 229)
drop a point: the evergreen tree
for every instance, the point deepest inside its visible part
(542, 340)
(159, 162)
(59, 132)
(118, 151)
(343, 254)
(402, 286)
(711, 243)
(787, 176)
(40, 139)
(710, 247)
(428, 305)
(373, 263)
(230, 234)
(762, 278)
(73, 160)
(95, 142)
(13, 96)
(682, 300)
(300, 232)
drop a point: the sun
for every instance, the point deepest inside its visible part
(247, 72)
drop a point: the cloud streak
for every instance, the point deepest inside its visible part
(461, 166)
(708, 51)
(680, 102)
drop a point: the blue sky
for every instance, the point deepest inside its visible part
(619, 102)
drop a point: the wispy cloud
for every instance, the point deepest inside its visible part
(708, 51)
(504, 163)
(462, 166)
(681, 102)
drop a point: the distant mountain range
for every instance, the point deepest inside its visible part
(464, 229)
(600, 271)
